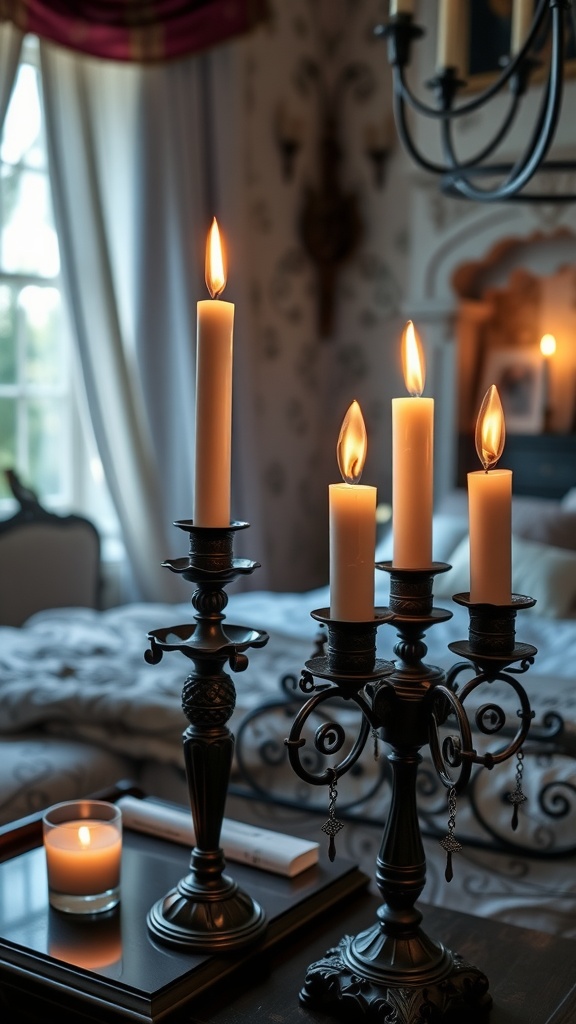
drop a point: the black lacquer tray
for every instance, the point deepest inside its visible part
(109, 968)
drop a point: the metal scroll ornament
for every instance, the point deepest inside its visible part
(393, 970)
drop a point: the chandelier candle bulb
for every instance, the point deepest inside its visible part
(214, 356)
(490, 510)
(522, 15)
(412, 462)
(450, 33)
(352, 517)
(401, 7)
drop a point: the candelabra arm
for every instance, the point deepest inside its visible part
(329, 737)
(456, 752)
(490, 719)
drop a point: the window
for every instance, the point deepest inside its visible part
(43, 432)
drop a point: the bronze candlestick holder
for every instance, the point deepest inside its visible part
(207, 910)
(393, 970)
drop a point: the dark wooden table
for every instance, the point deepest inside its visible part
(532, 974)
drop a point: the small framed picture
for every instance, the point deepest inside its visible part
(519, 376)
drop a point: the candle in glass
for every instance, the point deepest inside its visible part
(83, 845)
(490, 509)
(214, 351)
(412, 462)
(352, 527)
(83, 857)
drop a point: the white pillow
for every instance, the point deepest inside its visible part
(569, 500)
(545, 573)
(447, 530)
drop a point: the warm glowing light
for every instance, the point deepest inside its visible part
(84, 835)
(548, 345)
(413, 362)
(490, 429)
(215, 269)
(352, 445)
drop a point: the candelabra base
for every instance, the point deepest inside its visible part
(189, 917)
(409, 981)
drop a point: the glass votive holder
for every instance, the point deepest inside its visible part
(83, 845)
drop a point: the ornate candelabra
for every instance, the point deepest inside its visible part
(207, 910)
(393, 970)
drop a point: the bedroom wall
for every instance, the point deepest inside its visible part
(412, 242)
(304, 383)
(447, 234)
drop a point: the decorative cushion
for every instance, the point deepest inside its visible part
(447, 530)
(40, 770)
(544, 521)
(545, 573)
(541, 519)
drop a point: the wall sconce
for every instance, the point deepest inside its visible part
(289, 135)
(330, 226)
(379, 147)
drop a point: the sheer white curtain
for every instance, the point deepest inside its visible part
(10, 47)
(133, 199)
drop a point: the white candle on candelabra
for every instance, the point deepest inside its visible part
(451, 33)
(214, 351)
(522, 15)
(412, 462)
(490, 510)
(352, 527)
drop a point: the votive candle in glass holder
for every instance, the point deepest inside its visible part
(83, 844)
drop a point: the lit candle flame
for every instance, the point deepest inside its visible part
(490, 429)
(352, 445)
(84, 835)
(413, 361)
(547, 345)
(215, 269)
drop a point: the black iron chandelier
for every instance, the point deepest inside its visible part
(539, 40)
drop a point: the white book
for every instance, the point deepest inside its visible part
(247, 844)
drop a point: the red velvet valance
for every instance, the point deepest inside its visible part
(134, 30)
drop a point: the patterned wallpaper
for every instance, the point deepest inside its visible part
(318, 57)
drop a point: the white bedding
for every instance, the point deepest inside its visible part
(83, 672)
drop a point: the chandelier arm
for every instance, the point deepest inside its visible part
(443, 169)
(525, 168)
(405, 137)
(452, 161)
(471, 106)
